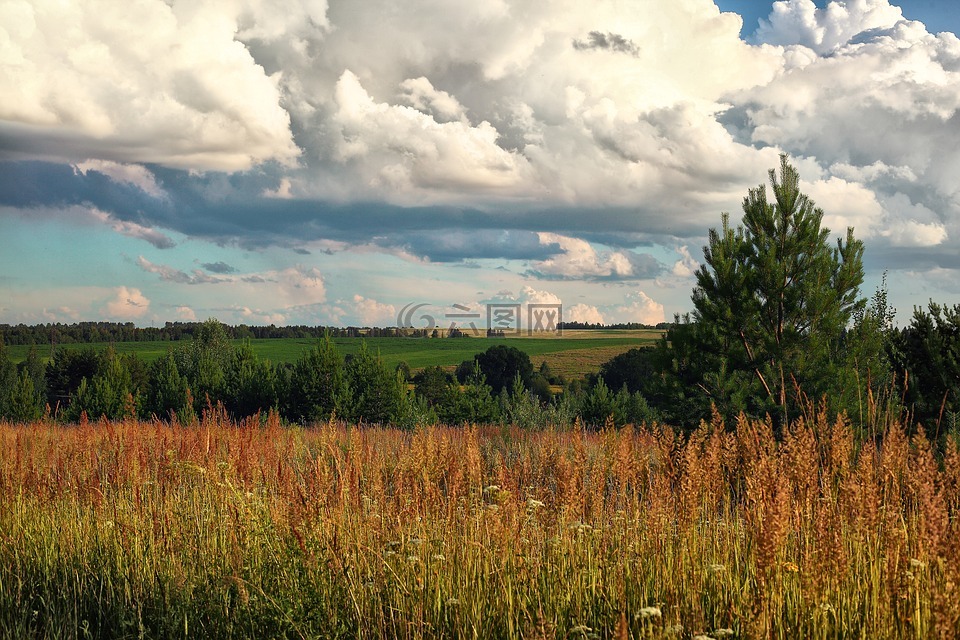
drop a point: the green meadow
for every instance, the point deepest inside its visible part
(571, 354)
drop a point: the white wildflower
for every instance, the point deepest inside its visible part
(648, 612)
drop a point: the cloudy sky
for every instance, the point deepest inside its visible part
(332, 161)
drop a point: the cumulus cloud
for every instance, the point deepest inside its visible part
(556, 136)
(581, 261)
(686, 266)
(401, 148)
(373, 313)
(800, 22)
(126, 304)
(583, 313)
(639, 307)
(185, 314)
(88, 79)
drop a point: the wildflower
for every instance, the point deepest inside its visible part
(917, 564)
(415, 541)
(439, 557)
(413, 559)
(534, 504)
(717, 568)
(648, 612)
(722, 633)
(452, 602)
(492, 489)
(674, 630)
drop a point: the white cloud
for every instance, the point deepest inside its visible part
(686, 266)
(141, 81)
(259, 316)
(529, 295)
(126, 304)
(132, 174)
(263, 297)
(420, 94)
(583, 313)
(61, 314)
(549, 116)
(639, 308)
(186, 314)
(372, 313)
(801, 22)
(400, 148)
(580, 260)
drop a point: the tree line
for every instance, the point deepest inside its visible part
(497, 385)
(99, 332)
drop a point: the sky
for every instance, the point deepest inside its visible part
(337, 162)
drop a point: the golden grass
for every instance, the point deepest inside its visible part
(141, 529)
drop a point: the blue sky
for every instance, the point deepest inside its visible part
(334, 161)
(936, 15)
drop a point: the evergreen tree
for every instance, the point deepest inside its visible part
(373, 389)
(473, 404)
(34, 367)
(250, 383)
(168, 394)
(8, 380)
(318, 384)
(204, 362)
(109, 394)
(772, 303)
(24, 404)
(65, 372)
(928, 359)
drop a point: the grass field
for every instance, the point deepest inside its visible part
(147, 530)
(572, 354)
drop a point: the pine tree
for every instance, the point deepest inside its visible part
(318, 384)
(772, 302)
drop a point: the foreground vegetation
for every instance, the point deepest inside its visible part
(216, 529)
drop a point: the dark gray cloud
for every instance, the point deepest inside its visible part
(218, 267)
(607, 41)
(231, 209)
(459, 245)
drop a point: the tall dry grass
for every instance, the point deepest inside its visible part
(141, 529)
